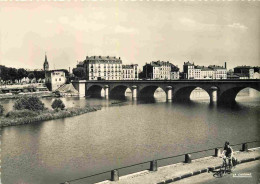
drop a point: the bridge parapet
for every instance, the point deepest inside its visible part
(179, 90)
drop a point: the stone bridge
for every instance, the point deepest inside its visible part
(177, 90)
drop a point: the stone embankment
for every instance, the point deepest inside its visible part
(175, 172)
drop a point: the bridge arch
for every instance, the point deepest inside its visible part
(94, 91)
(118, 91)
(229, 95)
(183, 94)
(148, 91)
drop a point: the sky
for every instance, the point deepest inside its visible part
(203, 32)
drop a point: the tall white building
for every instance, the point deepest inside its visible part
(130, 72)
(102, 68)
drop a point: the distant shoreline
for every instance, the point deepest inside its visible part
(46, 115)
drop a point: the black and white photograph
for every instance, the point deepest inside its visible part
(129, 91)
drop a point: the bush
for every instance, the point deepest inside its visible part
(31, 103)
(1, 110)
(58, 104)
(21, 113)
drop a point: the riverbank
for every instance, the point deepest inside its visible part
(16, 96)
(45, 115)
(175, 172)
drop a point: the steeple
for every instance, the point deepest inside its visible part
(45, 64)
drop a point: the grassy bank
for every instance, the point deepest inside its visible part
(21, 118)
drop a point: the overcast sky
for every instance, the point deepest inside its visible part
(201, 32)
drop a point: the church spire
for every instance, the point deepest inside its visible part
(45, 64)
(45, 58)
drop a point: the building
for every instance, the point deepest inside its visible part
(205, 72)
(191, 71)
(46, 64)
(220, 72)
(175, 72)
(130, 72)
(157, 70)
(102, 68)
(246, 72)
(55, 78)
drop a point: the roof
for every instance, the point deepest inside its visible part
(188, 63)
(129, 66)
(245, 67)
(103, 59)
(160, 63)
(216, 67)
(206, 69)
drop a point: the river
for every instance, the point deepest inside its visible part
(124, 132)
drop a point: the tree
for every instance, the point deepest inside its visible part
(4, 73)
(13, 73)
(31, 76)
(79, 72)
(57, 104)
(1, 110)
(22, 73)
(31, 103)
(39, 74)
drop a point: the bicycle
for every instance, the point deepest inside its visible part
(225, 167)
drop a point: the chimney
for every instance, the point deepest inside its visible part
(69, 69)
(225, 65)
(119, 58)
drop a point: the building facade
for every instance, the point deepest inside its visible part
(130, 72)
(191, 71)
(157, 70)
(102, 68)
(55, 79)
(246, 72)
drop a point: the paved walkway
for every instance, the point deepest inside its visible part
(168, 174)
(247, 173)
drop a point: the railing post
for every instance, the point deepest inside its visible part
(114, 175)
(187, 158)
(217, 152)
(244, 147)
(153, 165)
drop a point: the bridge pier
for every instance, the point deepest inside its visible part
(168, 93)
(213, 94)
(80, 86)
(106, 88)
(134, 92)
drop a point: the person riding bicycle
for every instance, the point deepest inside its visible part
(228, 152)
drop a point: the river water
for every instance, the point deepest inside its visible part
(124, 132)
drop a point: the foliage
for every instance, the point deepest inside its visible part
(17, 118)
(31, 76)
(21, 113)
(22, 73)
(79, 72)
(58, 104)
(31, 103)
(39, 74)
(1, 110)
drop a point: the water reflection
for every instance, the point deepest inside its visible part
(124, 132)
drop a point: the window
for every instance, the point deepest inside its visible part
(59, 79)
